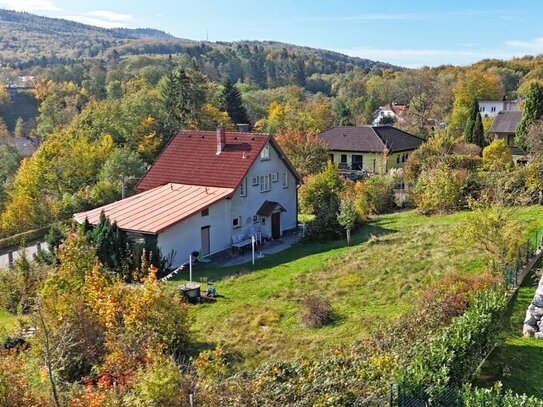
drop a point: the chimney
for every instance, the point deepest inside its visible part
(243, 127)
(221, 138)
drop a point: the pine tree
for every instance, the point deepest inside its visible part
(470, 123)
(533, 110)
(478, 134)
(232, 104)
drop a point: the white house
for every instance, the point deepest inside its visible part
(207, 190)
(491, 108)
(394, 111)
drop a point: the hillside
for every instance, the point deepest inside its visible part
(27, 39)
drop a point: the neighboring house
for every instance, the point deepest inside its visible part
(395, 111)
(504, 128)
(366, 150)
(207, 190)
(491, 108)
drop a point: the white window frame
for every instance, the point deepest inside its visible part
(285, 179)
(265, 153)
(274, 177)
(243, 187)
(237, 220)
(255, 181)
(265, 183)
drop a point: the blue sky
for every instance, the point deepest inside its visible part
(408, 33)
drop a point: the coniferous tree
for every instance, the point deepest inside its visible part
(232, 103)
(478, 135)
(533, 110)
(470, 123)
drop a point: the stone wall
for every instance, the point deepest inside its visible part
(533, 323)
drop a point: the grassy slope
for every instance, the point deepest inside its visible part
(516, 361)
(371, 282)
(7, 322)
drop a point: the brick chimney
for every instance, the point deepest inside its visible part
(221, 138)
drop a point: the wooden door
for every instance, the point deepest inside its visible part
(276, 225)
(206, 245)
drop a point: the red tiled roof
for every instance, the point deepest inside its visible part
(190, 158)
(157, 209)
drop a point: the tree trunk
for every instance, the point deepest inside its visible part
(348, 236)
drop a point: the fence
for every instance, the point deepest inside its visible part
(406, 396)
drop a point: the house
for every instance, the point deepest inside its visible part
(363, 150)
(504, 128)
(393, 111)
(491, 108)
(208, 190)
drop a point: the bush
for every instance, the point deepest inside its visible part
(453, 355)
(439, 190)
(497, 397)
(497, 156)
(376, 195)
(316, 311)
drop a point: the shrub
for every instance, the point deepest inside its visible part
(439, 189)
(497, 397)
(452, 357)
(316, 311)
(376, 195)
(497, 156)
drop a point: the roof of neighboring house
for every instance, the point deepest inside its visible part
(506, 122)
(268, 207)
(370, 139)
(191, 158)
(157, 209)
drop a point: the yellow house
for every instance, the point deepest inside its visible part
(368, 150)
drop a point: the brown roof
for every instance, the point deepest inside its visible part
(506, 122)
(369, 139)
(190, 158)
(268, 207)
(157, 209)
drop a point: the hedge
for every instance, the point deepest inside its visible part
(28, 236)
(453, 356)
(497, 397)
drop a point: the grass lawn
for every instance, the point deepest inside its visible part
(8, 322)
(371, 282)
(516, 361)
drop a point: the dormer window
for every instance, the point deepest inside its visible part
(265, 153)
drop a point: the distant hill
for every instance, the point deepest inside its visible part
(28, 39)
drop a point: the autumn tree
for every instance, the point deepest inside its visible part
(533, 110)
(307, 153)
(497, 156)
(232, 104)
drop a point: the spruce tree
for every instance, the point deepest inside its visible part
(478, 134)
(533, 110)
(232, 104)
(470, 123)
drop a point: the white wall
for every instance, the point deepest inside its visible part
(485, 107)
(185, 237)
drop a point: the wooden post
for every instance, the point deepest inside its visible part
(38, 247)
(349, 237)
(10, 258)
(253, 248)
(190, 268)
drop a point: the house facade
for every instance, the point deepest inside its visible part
(491, 108)
(207, 190)
(369, 150)
(394, 111)
(504, 127)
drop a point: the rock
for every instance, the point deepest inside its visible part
(538, 300)
(539, 290)
(528, 330)
(540, 325)
(538, 335)
(530, 319)
(537, 312)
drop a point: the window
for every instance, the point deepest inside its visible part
(482, 109)
(265, 153)
(398, 159)
(243, 187)
(343, 159)
(285, 180)
(331, 157)
(236, 222)
(406, 156)
(205, 212)
(255, 219)
(255, 181)
(493, 109)
(265, 183)
(274, 177)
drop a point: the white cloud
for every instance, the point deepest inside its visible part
(367, 17)
(103, 18)
(535, 44)
(29, 5)
(110, 15)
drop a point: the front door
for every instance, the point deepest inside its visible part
(276, 225)
(206, 247)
